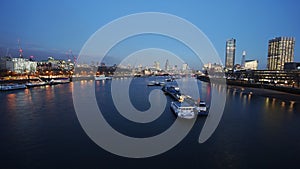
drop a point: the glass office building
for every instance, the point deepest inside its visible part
(230, 54)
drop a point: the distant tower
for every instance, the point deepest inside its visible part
(230, 54)
(243, 59)
(167, 65)
(184, 66)
(157, 65)
(20, 49)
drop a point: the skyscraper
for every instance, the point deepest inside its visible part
(157, 65)
(167, 65)
(184, 67)
(280, 51)
(230, 54)
(243, 59)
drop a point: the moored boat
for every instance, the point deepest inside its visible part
(174, 92)
(151, 83)
(183, 110)
(7, 87)
(59, 81)
(35, 84)
(103, 77)
(155, 83)
(202, 108)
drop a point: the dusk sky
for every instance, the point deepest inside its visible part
(56, 26)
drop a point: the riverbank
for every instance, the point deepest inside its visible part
(265, 93)
(286, 89)
(26, 80)
(231, 82)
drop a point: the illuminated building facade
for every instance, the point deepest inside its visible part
(280, 51)
(230, 54)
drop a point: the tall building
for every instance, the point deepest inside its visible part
(157, 65)
(184, 67)
(230, 54)
(243, 59)
(167, 65)
(280, 51)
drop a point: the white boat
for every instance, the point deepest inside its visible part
(108, 77)
(155, 83)
(151, 83)
(59, 81)
(34, 84)
(102, 77)
(162, 83)
(7, 87)
(183, 110)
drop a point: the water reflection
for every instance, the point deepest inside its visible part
(28, 95)
(39, 118)
(11, 101)
(241, 94)
(282, 104)
(267, 102)
(249, 96)
(208, 93)
(273, 103)
(244, 100)
(291, 107)
(49, 92)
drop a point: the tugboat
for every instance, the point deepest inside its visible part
(202, 108)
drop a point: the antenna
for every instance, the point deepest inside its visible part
(20, 49)
(243, 59)
(7, 50)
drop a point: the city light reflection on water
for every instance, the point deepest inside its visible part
(291, 106)
(39, 126)
(267, 101)
(249, 97)
(282, 104)
(273, 102)
(11, 101)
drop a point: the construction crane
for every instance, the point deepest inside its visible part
(74, 57)
(68, 56)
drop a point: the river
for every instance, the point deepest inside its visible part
(39, 128)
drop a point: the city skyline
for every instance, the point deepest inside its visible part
(55, 27)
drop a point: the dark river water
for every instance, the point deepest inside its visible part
(39, 128)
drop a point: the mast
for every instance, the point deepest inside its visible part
(20, 49)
